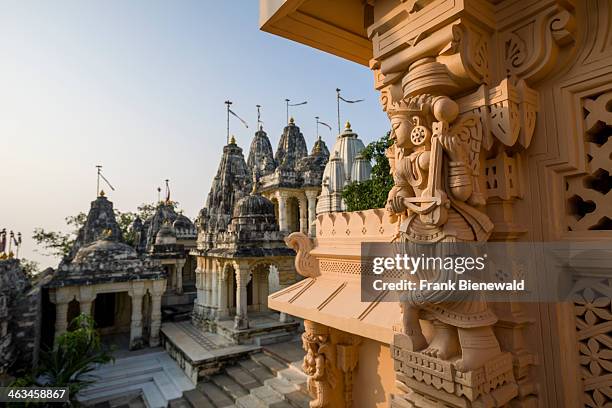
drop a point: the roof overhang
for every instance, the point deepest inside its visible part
(337, 27)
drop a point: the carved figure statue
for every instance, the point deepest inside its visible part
(435, 195)
(318, 367)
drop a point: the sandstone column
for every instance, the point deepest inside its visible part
(242, 279)
(222, 279)
(156, 294)
(86, 297)
(61, 318)
(303, 215)
(179, 276)
(215, 290)
(311, 196)
(208, 283)
(61, 298)
(136, 293)
(282, 210)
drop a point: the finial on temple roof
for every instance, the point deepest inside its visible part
(255, 181)
(167, 191)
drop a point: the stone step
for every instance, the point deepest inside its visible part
(154, 375)
(249, 401)
(298, 399)
(216, 395)
(196, 399)
(281, 386)
(151, 394)
(257, 371)
(267, 397)
(273, 338)
(272, 364)
(231, 387)
(179, 403)
(242, 377)
(295, 377)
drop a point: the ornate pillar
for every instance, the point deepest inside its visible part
(243, 276)
(330, 360)
(158, 289)
(136, 292)
(61, 319)
(215, 290)
(423, 58)
(281, 197)
(179, 276)
(86, 297)
(311, 196)
(210, 264)
(61, 297)
(223, 307)
(303, 215)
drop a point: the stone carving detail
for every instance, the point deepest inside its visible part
(530, 48)
(330, 360)
(436, 195)
(319, 364)
(305, 264)
(588, 196)
(593, 319)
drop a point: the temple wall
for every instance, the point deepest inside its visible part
(374, 379)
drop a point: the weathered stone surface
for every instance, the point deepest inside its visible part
(19, 317)
(100, 220)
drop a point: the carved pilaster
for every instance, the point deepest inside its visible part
(330, 361)
(425, 55)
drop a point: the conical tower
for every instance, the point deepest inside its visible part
(100, 221)
(291, 147)
(229, 185)
(261, 157)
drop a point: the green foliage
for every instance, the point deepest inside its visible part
(54, 242)
(30, 268)
(371, 193)
(70, 363)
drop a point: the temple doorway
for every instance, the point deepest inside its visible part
(104, 310)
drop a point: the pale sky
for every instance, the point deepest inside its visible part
(138, 86)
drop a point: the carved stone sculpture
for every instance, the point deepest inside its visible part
(435, 193)
(318, 364)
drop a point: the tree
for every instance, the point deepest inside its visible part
(371, 193)
(71, 361)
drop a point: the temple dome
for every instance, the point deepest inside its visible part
(166, 235)
(253, 205)
(105, 249)
(362, 169)
(183, 223)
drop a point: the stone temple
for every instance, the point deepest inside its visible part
(346, 165)
(109, 280)
(241, 254)
(500, 119)
(168, 237)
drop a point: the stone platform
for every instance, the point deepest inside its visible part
(200, 354)
(264, 328)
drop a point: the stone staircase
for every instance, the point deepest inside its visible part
(152, 375)
(262, 380)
